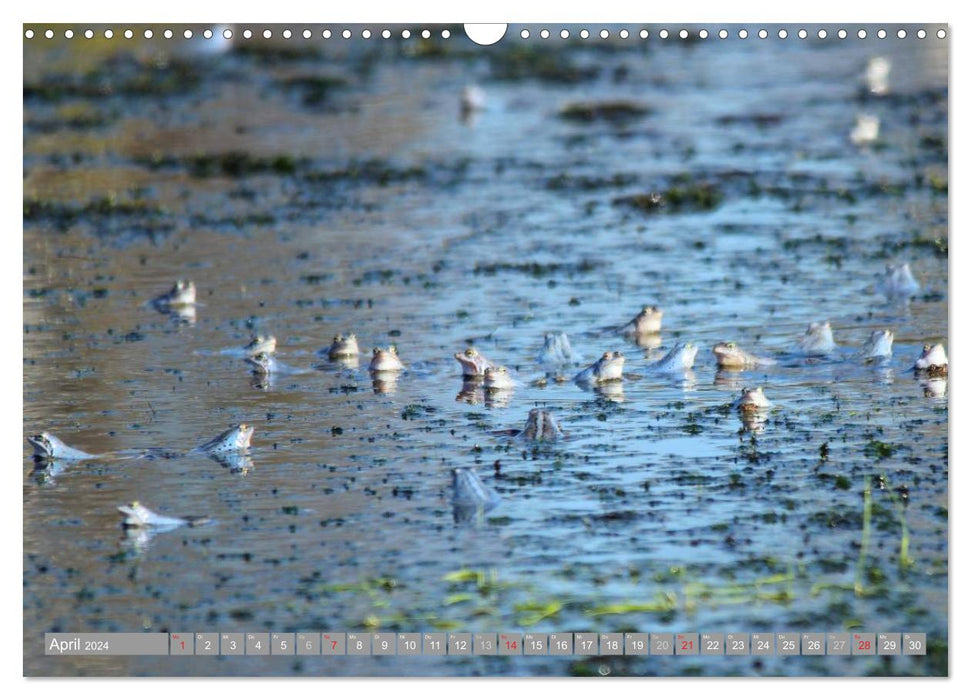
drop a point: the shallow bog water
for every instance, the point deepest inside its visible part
(363, 203)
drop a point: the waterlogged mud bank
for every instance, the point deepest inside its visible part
(311, 192)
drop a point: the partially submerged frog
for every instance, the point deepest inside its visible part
(474, 363)
(609, 368)
(261, 344)
(138, 516)
(878, 346)
(680, 358)
(730, 356)
(866, 130)
(232, 441)
(877, 75)
(752, 400)
(385, 360)
(498, 379)
(898, 282)
(264, 365)
(470, 492)
(818, 339)
(182, 294)
(473, 100)
(48, 448)
(342, 347)
(541, 426)
(933, 360)
(256, 345)
(648, 321)
(556, 350)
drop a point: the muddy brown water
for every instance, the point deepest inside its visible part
(367, 205)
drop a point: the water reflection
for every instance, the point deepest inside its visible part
(730, 379)
(46, 473)
(754, 421)
(648, 342)
(472, 392)
(611, 391)
(235, 463)
(498, 398)
(934, 387)
(348, 362)
(882, 372)
(384, 382)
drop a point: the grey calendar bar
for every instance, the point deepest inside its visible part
(521, 644)
(106, 644)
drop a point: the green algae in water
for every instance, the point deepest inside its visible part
(687, 197)
(879, 450)
(535, 63)
(616, 112)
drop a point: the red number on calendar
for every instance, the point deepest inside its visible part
(333, 644)
(864, 645)
(687, 644)
(511, 645)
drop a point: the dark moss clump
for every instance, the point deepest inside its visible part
(269, 53)
(76, 120)
(536, 269)
(378, 172)
(879, 450)
(760, 121)
(701, 196)
(383, 173)
(565, 181)
(314, 90)
(533, 63)
(616, 112)
(238, 164)
(63, 215)
(122, 76)
(230, 164)
(936, 144)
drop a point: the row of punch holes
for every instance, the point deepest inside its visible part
(524, 34)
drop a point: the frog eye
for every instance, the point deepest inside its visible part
(134, 504)
(927, 348)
